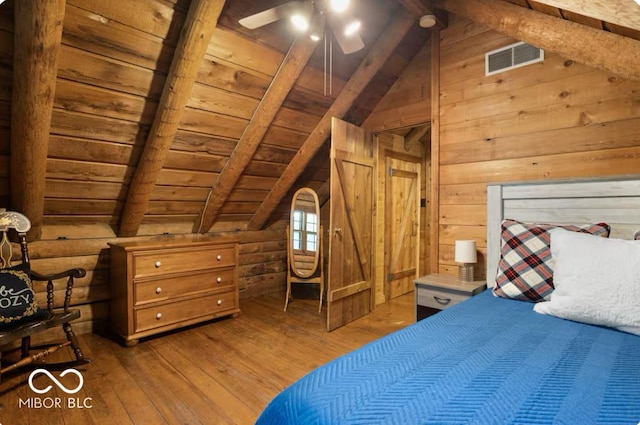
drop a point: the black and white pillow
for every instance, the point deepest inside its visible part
(17, 299)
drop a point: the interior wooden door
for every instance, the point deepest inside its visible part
(349, 286)
(402, 224)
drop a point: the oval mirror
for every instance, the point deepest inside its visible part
(304, 236)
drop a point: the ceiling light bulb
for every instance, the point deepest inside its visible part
(352, 28)
(315, 36)
(638, 1)
(299, 22)
(339, 5)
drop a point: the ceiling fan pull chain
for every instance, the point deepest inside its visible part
(324, 76)
(331, 66)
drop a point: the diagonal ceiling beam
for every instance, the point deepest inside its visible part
(589, 46)
(37, 37)
(620, 12)
(378, 54)
(289, 71)
(415, 134)
(195, 36)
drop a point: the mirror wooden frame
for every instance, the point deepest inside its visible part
(312, 272)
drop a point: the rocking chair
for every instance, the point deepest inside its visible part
(20, 316)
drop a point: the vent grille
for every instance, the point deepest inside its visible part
(513, 56)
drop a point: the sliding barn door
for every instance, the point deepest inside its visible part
(349, 287)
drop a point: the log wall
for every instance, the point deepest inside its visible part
(555, 119)
(262, 263)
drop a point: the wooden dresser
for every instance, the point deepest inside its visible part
(157, 286)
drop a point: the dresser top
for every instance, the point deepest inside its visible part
(172, 241)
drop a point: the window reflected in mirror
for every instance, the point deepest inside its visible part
(305, 231)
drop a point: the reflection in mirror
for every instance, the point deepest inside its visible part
(304, 226)
(304, 242)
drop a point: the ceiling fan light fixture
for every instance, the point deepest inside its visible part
(339, 5)
(300, 22)
(316, 29)
(352, 27)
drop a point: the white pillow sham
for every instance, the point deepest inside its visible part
(597, 281)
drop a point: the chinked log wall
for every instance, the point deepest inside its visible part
(262, 263)
(555, 119)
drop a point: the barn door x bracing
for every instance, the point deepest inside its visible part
(349, 287)
(402, 225)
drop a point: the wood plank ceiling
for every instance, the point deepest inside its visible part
(170, 116)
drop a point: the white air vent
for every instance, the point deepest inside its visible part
(513, 56)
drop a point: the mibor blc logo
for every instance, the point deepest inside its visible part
(42, 388)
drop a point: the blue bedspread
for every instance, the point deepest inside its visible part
(484, 361)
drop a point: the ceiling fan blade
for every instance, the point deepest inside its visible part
(270, 15)
(348, 43)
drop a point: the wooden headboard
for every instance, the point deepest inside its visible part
(615, 201)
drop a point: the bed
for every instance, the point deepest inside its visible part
(491, 360)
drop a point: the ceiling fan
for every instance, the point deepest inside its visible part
(310, 16)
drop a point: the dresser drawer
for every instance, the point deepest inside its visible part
(439, 299)
(181, 260)
(160, 289)
(157, 316)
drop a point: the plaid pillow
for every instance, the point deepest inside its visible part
(525, 271)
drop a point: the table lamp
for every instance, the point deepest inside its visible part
(465, 253)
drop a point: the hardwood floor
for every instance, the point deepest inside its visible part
(222, 372)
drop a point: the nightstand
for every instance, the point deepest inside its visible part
(435, 292)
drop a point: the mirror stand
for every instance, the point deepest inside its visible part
(304, 243)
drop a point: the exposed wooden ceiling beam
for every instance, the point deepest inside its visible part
(625, 13)
(415, 134)
(376, 57)
(589, 46)
(37, 37)
(195, 37)
(289, 71)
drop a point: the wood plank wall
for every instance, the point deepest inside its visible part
(555, 119)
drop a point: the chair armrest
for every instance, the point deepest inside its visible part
(70, 274)
(76, 273)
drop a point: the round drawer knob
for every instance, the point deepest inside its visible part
(219, 302)
(158, 264)
(218, 257)
(158, 290)
(158, 316)
(219, 279)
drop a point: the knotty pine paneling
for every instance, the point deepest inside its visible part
(555, 119)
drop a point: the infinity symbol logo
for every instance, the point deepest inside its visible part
(58, 383)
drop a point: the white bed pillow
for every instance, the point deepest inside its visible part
(597, 281)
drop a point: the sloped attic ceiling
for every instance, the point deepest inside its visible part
(229, 140)
(133, 142)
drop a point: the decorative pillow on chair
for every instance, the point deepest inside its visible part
(525, 271)
(17, 299)
(597, 281)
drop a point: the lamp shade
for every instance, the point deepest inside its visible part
(465, 252)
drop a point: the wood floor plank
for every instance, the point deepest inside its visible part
(222, 372)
